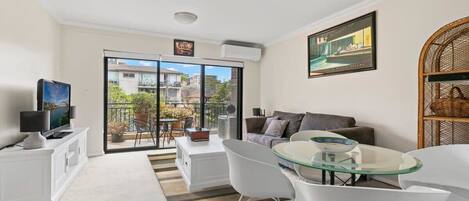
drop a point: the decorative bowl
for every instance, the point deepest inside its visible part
(334, 144)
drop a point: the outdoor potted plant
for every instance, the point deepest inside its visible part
(117, 130)
(179, 113)
(144, 105)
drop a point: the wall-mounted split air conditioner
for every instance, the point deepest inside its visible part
(240, 52)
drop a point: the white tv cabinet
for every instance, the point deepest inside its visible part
(42, 174)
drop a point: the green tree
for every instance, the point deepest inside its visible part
(211, 85)
(222, 93)
(116, 94)
(144, 102)
(184, 78)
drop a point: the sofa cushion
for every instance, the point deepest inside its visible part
(313, 121)
(261, 139)
(294, 121)
(267, 123)
(276, 128)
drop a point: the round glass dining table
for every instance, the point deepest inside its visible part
(362, 160)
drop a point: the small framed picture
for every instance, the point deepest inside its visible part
(183, 48)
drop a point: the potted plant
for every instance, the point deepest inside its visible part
(117, 130)
(179, 113)
(143, 104)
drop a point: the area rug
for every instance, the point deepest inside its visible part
(175, 189)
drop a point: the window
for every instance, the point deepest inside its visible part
(129, 75)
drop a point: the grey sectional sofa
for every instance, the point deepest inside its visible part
(309, 121)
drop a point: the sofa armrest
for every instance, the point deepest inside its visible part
(363, 135)
(255, 124)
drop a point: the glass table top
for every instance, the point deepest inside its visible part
(364, 159)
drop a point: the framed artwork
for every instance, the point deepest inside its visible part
(183, 48)
(345, 48)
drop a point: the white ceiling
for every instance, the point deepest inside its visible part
(258, 21)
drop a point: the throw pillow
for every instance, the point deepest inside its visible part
(294, 121)
(276, 128)
(267, 123)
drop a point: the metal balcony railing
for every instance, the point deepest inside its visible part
(124, 112)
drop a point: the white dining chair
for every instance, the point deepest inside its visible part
(314, 192)
(254, 171)
(444, 167)
(310, 174)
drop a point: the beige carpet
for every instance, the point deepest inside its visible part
(116, 177)
(175, 189)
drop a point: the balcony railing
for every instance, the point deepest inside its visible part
(123, 112)
(162, 84)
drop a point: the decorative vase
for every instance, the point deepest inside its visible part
(34, 141)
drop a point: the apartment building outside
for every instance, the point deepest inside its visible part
(133, 79)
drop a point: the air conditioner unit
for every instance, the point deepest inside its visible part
(240, 52)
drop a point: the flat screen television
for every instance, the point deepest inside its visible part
(55, 97)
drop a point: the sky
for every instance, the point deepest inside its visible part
(56, 93)
(222, 73)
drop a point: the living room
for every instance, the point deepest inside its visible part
(226, 69)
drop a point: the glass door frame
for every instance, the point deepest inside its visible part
(239, 106)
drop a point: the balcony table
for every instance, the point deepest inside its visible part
(363, 160)
(167, 131)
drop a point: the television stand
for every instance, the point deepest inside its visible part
(59, 134)
(42, 174)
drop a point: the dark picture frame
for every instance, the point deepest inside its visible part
(184, 47)
(345, 48)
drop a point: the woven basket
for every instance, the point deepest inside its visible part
(451, 106)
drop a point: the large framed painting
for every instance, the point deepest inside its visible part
(345, 48)
(183, 47)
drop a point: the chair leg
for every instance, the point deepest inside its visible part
(140, 138)
(152, 138)
(240, 198)
(135, 140)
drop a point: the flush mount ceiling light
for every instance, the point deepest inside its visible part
(185, 17)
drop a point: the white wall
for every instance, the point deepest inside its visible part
(386, 98)
(82, 66)
(29, 50)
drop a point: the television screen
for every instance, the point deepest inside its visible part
(55, 97)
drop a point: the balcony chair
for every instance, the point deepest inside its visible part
(314, 192)
(142, 127)
(188, 121)
(254, 171)
(444, 167)
(314, 175)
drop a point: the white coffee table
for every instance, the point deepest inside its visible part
(202, 164)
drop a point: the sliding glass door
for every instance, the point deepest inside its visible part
(179, 100)
(221, 100)
(148, 103)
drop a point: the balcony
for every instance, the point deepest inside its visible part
(122, 115)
